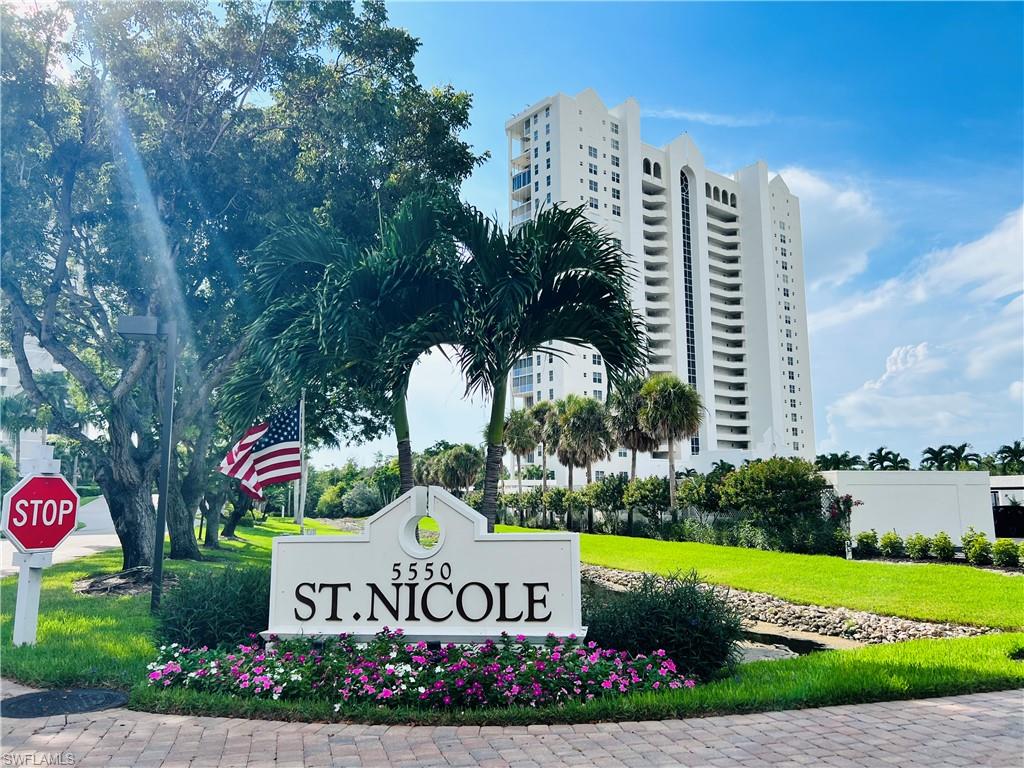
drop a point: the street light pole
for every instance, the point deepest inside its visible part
(148, 328)
(170, 333)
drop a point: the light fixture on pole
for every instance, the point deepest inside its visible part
(149, 328)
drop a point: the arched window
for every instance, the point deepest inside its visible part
(647, 165)
(716, 195)
(707, 190)
(732, 200)
(657, 170)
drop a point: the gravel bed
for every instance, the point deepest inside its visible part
(837, 622)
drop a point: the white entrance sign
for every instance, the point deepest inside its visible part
(469, 586)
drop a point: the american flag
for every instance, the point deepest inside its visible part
(268, 453)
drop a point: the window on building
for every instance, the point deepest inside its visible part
(536, 169)
(547, 129)
(536, 186)
(547, 180)
(592, 167)
(782, 238)
(615, 128)
(547, 146)
(536, 135)
(598, 394)
(595, 359)
(795, 431)
(616, 210)
(792, 389)
(597, 377)
(551, 358)
(536, 151)
(540, 396)
(615, 161)
(789, 334)
(593, 185)
(792, 402)
(623, 453)
(616, 193)
(599, 474)
(547, 111)
(547, 163)
(792, 377)
(551, 394)
(785, 292)
(784, 252)
(793, 417)
(593, 203)
(592, 151)
(789, 346)
(616, 178)
(782, 225)
(789, 320)
(615, 144)
(548, 198)
(785, 305)
(538, 377)
(796, 446)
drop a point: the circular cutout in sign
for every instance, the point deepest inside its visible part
(62, 702)
(407, 536)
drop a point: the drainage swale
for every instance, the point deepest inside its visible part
(72, 701)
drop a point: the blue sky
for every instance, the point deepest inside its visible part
(901, 128)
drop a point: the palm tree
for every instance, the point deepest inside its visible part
(671, 410)
(460, 467)
(565, 452)
(555, 278)
(1011, 457)
(625, 403)
(838, 461)
(349, 324)
(885, 459)
(541, 413)
(520, 438)
(935, 458)
(586, 430)
(18, 414)
(961, 456)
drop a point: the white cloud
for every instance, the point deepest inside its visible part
(905, 363)
(1017, 391)
(984, 270)
(712, 118)
(841, 224)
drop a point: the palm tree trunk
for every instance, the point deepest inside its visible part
(495, 451)
(519, 497)
(671, 476)
(570, 477)
(544, 467)
(632, 468)
(590, 508)
(400, 417)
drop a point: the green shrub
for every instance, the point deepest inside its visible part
(891, 545)
(918, 546)
(693, 624)
(968, 537)
(978, 550)
(782, 498)
(1004, 553)
(361, 500)
(215, 608)
(866, 544)
(1020, 551)
(942, 547)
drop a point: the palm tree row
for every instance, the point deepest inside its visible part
(642, 415)
(349, 324)
(1009, 459)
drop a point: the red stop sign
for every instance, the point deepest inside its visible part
(40, 512)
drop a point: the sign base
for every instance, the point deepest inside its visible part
(26, 607)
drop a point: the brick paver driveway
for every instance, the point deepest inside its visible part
(978, 730)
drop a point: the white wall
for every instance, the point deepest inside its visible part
(917, 502)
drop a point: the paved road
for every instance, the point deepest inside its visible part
(97, 535)
(977, 730)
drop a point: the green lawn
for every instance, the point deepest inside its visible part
(106, 641)
(930, 592)
(915, 669)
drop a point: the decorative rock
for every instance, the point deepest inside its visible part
(836, 622)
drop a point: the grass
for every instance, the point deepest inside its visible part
(107, 641)
(928, 592)
(915, 669)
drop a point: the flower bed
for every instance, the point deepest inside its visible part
(390, 671)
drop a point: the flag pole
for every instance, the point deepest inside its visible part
(300, 484)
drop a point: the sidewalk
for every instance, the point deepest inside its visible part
(984, 729)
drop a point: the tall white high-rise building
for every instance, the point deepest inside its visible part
(719, 277)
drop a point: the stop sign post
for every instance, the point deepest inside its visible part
(38, 514)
